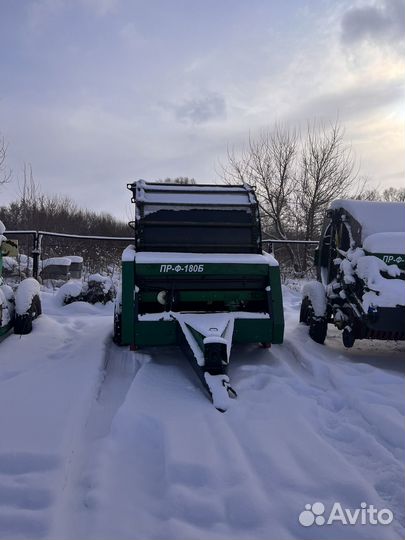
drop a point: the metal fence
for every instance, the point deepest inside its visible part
(37, 243)
(270, 242)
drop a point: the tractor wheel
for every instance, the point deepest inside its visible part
(117, 328)
(23, 323)
(318, 326)
(304, 311)
(348, 337)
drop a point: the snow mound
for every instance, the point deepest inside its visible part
(69, 290)
(392, 242)
(56, 261)
(74, 258)
(10, 264)
(26, 291)
(383, 292)
(380, 291)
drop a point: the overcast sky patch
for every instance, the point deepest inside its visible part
(201, 110)
(354, 101)
(95, 93)
(382, 22)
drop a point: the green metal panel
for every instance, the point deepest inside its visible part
(155, 333)
(151, 333)
(253, 331)
(208, 296)
(195, 269)
(128, 301)
(277, 304)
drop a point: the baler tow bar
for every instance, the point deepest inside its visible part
(207, 342)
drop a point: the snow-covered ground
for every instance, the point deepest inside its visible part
(100, 442)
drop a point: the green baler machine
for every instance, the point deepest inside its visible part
(197, 277)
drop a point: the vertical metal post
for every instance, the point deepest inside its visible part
(36, 252)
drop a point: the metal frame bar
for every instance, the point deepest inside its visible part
(38, 235)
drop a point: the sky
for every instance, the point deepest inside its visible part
(97, 93)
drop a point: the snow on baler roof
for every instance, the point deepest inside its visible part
(372, 216)
(155, 194)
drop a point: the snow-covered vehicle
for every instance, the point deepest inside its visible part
(360, 265)
(197, 277)
(20, 307)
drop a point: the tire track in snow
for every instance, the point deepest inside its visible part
(118, 370)
(345, 421)
(195, 472)
(47, 383)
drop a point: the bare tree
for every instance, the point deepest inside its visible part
(29, 188)
(5, 173)
(36, 210)
(268, 164)
(295, 179)
(326, 173)
(394, 194)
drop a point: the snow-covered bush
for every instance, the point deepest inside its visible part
(97, 289)
(10, 266)
(69, 292)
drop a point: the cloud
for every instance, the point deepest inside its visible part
(201, 110)
(355, 101)
(382, 22)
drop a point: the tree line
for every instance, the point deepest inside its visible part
(34, 210)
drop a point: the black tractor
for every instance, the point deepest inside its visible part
(360, 264)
